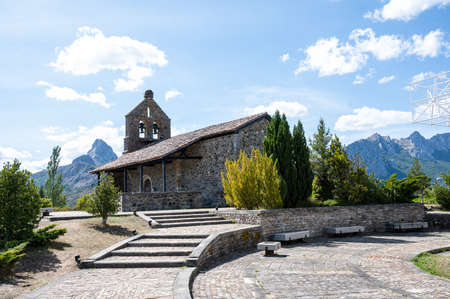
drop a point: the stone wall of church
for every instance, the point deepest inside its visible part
(203, 175)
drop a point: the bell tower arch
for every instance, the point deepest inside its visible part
(146, 124)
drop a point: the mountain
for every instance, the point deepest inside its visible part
(76, 177)
(384, 155)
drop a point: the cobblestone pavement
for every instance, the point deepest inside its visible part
(376, 266)
(123, 283)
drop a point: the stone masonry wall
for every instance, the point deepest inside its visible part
(148, 201)
(202, 175)
(223, 244)
(375, 218)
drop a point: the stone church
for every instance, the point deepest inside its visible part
(157, 171)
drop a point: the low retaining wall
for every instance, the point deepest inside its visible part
(223, 244)
(438, 219)
(375, 218)
(147, 201)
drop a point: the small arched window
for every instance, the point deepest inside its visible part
(142, 129)
(155, 131)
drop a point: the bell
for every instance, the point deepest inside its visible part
(155, 128)
(141, 127)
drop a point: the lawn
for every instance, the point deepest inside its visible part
(84, 237)
(436, 264)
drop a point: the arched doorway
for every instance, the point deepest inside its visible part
(147, 185)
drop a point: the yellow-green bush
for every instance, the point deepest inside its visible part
(83, 202)
(252, 182)
(46, 202)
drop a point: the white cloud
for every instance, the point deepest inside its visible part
(359, 79)
(330, 56)
(11, 153)
(383, 48)
(8, 154)
(291, 109)
(366, 118)
(422, 76)
(78, 142)
(284, 57)
(66, 94)
(429, 45)
(93, 52)
(386, 79)
(403, 10)
(172, 93)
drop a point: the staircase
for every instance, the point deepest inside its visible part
(175, 218)
(147, 251)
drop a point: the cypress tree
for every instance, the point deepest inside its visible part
(278, 145)
(302, 165)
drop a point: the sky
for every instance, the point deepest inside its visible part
(70, 71)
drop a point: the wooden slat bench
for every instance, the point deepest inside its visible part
(344, 230)
(291, 236)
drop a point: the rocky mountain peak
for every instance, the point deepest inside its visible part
(101, 153)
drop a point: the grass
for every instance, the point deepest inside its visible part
(436, 264)
(84, 237)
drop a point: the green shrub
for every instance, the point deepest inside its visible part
(46, 202)
(10, 258)
(61, 209)
(83, 202)
(44, 236)
(443, 192)
(19, 203)
(106, 198)
(400, 191)
(252, 182)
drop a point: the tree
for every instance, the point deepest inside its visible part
(319, 157)
(443, 192)
(53, 186)
(252, 182)
(19, 203)
(278, 145)
(400, 191)
(106, 198)
(340, 171)
(422, 179)
(302, 165)
(83, 202)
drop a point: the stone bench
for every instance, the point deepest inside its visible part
(344, 230)
(403, 226)
(269, 247)
(291, 236)
(46, 211)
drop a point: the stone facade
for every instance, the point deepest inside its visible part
(195, 175)
(146, 201)
(375, 218)
(149, 114)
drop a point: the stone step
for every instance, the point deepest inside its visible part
(193, 236)
(175, 220)
(172, 216)
(153, 251)
(213, 222)
(165, 243)
(151, 214)
(140, 262)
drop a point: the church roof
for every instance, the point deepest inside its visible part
(174, 144)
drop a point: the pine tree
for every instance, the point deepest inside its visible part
(53, 186)
(422, 179)
(302, 164)
(319, 152)
(340, 171)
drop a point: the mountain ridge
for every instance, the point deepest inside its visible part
(384, 155)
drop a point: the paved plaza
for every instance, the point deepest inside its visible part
(375, 266)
